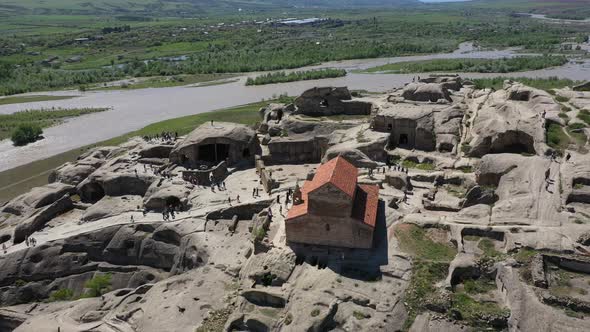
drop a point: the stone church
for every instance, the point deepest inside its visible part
(334, 210)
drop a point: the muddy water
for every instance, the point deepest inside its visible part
(134, 109)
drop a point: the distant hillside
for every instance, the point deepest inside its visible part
(567, 9)
(175, 7)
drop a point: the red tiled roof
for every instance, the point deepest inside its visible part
(338, 172)
(366, 204)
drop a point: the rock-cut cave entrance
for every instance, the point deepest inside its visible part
(213, 153)
(93, 192)
(173, 201)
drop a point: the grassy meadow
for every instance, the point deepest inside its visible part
(43, 118)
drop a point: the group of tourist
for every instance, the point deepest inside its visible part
(168, 213)
(398, 168)
(192, 180)
(163, 137)
(29, 241)
(154, 169)
(255, 192)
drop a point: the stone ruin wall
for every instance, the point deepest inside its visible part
(329, 231)
(284, 151)
(268, 183)
(202, 176)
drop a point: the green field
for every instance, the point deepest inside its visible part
(39, 48)
(43, 118)
(31, 99)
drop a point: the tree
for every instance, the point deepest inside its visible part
(98, 285)
(26, 133)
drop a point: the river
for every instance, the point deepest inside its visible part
(134, 109)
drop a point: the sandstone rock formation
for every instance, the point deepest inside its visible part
(482, 222)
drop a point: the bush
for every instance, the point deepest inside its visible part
(584, 115)
(98, 285)
(282, 77)
(562, 99)
(63, 294)
(576, 126)
(19, 283)
(26, 133)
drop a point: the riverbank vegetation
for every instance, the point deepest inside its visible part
(540, 83)
(283, 77)
(41, 118)
(165, 82)
(26, 133)
(504, 65)
(31, 99)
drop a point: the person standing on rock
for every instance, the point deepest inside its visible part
(132, 219)
(238, 198)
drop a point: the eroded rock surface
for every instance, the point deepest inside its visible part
(482, 221)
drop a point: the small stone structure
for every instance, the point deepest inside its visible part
(426, 92)
(202, 176)
(335, 210)
(295, 150)
(330, 101)
(411, 126)
(212, 143)
(268, 183)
